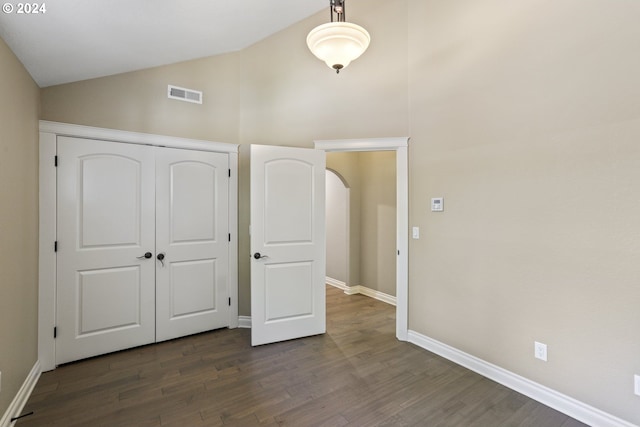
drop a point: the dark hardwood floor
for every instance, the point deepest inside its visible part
(357, 374)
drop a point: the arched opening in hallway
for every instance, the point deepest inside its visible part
(337, 231)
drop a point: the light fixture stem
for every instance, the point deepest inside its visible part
(337, 10)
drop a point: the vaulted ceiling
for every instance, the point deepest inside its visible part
(72, 40)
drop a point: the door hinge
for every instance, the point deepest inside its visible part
(229, 173)
(229, 301)
(55, 246)
(55, 161)
(55, 332)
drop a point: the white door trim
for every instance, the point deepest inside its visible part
(49, 131)
(400, 146)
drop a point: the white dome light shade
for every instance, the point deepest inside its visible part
(338, 43)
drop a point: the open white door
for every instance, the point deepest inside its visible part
(287, 243)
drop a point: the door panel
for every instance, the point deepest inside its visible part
(109, 202)
(288, 243)
(191, 287)
(99, 291)
(105, 222)
(192, 231)
(193, 204)
(294, 224)
(288, 291)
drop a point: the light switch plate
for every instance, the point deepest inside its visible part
(415, 232)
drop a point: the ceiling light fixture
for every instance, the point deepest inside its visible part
(338, 42)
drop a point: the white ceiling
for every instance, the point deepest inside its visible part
(82, 39)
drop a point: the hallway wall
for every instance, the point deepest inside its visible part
(337, 218)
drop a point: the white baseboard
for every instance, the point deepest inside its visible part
(556, 400)
(244, 322)
(352, 290)
(20, 400)
(336, 283)
(380, 296)
(359, 289)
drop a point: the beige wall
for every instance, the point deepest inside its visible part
(378, 221)
(138, 102)
(19, 103)
(289, 97)
(523, 115)
(337, 227)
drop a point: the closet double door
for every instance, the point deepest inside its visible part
(142, 245)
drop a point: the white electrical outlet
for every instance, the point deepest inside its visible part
(540, 350)
(636, 384)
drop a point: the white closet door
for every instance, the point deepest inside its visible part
(192, 235)
(105, 285)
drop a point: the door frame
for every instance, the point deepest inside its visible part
(49, 132)
(400, 145)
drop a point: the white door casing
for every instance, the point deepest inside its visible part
(106, 290)
(287, 243)
(192, 235)
(400, 146)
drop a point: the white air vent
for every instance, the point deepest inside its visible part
(189, 95)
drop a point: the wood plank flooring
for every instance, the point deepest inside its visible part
(357, 374)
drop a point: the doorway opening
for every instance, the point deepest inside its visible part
(361, 219)
(400, 147)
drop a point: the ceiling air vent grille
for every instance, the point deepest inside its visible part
(182, 94)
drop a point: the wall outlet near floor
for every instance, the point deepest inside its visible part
(636, 384)
(540, 350)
